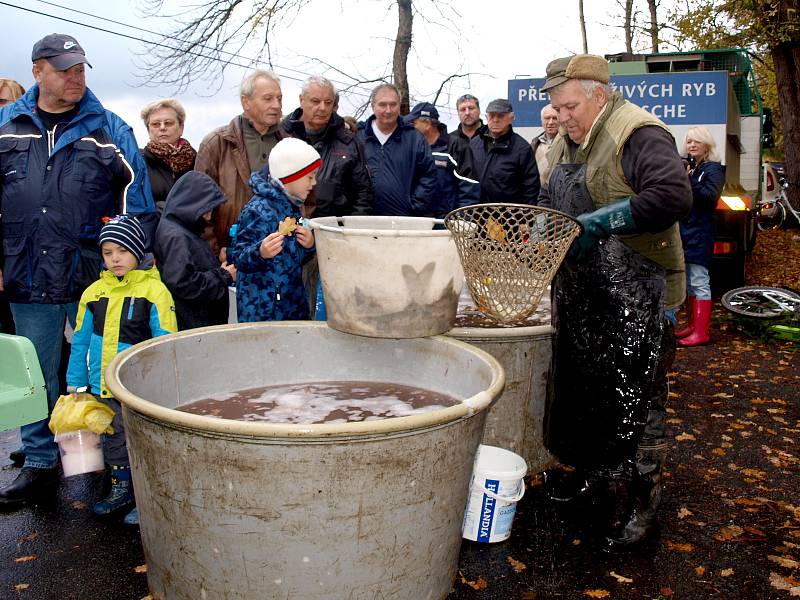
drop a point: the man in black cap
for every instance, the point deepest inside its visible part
(504, 161)
(65, 163)
(456, 184)
(614, 167)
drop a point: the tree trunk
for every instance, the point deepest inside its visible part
(629, 26)
(402, 45)
(653, 6)
(786, 59)
(583, 27)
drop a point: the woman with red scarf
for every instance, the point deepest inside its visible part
(167, 154)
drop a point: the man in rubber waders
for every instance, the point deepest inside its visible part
(616, 169)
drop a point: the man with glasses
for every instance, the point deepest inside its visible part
(504, 161)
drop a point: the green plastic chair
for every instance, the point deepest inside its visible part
(23, 397)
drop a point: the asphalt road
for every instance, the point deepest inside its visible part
(730, 523)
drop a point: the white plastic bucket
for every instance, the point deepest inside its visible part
(496, 487)
(81, 452)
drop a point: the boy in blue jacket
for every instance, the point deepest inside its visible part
(270, 241)
(127, 305)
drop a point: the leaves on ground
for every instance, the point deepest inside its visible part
(728, 533)
(477, 584)
(28, 538)
(597, 593)
(140, 569)
(789, 584)
(518, 566)
(726, 572)
(789, 563)
(621, 578)
(21, 586)
(24, 559)
(678, 546)
(684, 437)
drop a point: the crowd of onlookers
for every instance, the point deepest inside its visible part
(175, 227)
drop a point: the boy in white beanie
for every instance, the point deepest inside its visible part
(127, 305)
(270, 242)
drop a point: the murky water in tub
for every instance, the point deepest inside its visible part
(321, 402)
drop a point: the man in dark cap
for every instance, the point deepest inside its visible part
(614, 167)
(456, 184)
(504, 161)
(65, 163)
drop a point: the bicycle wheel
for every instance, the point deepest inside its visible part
(761, 302)
(771, 218)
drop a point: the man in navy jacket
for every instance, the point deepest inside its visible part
(65, 163)
(398, 159)
(457, 186)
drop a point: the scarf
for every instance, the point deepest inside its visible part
(179, 158)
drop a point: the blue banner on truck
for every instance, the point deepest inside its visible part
(693, 98)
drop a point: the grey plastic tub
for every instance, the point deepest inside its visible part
(516, 419)
(235, 510)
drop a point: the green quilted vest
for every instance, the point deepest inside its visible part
(606, 182)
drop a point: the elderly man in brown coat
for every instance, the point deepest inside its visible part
(231, 153)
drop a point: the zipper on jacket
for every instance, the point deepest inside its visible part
(51, 140)
(130, 308)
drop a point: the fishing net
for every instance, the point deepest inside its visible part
(510, 254)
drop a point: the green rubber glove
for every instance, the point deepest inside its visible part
(600, 224)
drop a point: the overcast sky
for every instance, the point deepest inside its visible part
(495, 41)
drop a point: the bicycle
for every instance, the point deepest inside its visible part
(772, 213)
(767, 303)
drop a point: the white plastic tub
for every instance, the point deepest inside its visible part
(391, 277)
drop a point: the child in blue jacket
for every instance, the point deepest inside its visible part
(270, 242)
(127, 305)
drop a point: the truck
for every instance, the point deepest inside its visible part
(714, 88)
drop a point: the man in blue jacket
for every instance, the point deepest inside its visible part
(398, 159)
(65, 164)
(457, 184)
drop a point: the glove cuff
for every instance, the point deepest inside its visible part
(619, 217)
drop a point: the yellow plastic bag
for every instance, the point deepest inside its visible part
(81, 411)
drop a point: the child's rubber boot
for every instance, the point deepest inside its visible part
(120, 497)
(132, 518)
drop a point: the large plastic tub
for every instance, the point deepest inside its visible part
(236, 510)
(393, 277)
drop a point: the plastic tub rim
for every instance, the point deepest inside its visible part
(386, 233)
(464, 409)
(524, 331)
